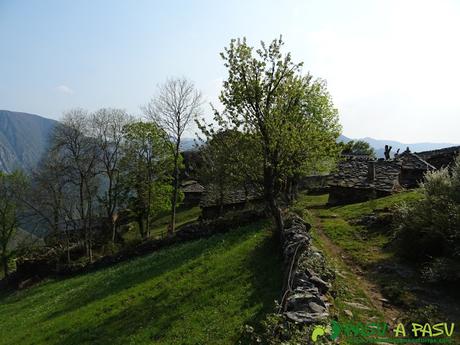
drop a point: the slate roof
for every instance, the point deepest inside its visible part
(411, 160)
(235, 196)
(448, 150)
(353, 172)
(192, 186)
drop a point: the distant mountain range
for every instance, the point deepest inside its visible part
(23, 139)
(379, 145)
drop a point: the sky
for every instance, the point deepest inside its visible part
(392, 67)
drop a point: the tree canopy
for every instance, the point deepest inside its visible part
(358, 147)
(289, 115)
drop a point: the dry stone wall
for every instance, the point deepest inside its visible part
(306, 277)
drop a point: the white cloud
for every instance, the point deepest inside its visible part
(65, 90)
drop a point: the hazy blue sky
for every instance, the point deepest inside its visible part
(392, 67)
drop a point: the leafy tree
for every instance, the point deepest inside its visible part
(12, 188)
(146, 166)
(228, 162)
(287, 114)
(173, 109)
(358, 147)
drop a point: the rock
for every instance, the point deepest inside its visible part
(340, 274)
(348, 313)
(301, 300)
(320, 284)
(316, 308)
(310, 289)
(28, 282)
(357, 305)
(309, 273)
(306, 318)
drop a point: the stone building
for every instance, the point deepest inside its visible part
(215, 204)
(360, 178)
(413, 168)
(440, 158)
(193, 192)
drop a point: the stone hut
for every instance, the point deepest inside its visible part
(413, 167)
(193, 192)
(213, 205)
(440, 158)
(360, 178)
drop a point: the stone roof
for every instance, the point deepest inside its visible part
(411, 160)
(448, 150)
(192, 186)
(235, 196)
(367, 174)
(442, 157)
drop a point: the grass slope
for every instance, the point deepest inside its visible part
(160, 225)
(365, 247)
(200, 292)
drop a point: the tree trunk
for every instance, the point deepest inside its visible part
(68, 245)
(114, 230)
(90, 228)
(140, 222)
(221, 202)
(172, 226)
(5, 265)
(269, 190)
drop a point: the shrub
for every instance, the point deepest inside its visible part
(441, 269)
(430, 228)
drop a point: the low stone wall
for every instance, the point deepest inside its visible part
(306, 279)
(36, 269)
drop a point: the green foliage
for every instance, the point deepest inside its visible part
(159, 225)
(229, 160)
(358, 147)
(290, 117)
(441, 269)
(276, 331)
(426, 314)
(200, 292)
(430, 227)
(146, 167)
(12, 189)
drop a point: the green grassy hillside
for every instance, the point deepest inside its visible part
(201, 292)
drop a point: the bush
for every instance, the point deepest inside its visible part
(274, 330)
(441, 269)
(430, 228)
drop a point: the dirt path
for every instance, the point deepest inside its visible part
(370, 289)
